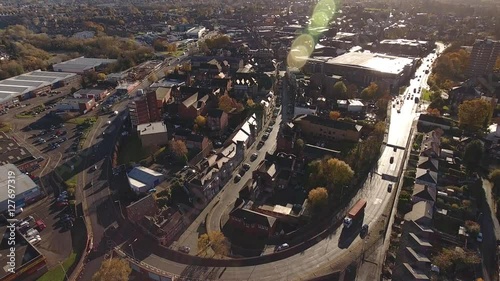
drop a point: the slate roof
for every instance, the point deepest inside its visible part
(339, 125)
(253, 217)
(428, 163)
(424, 192)
(426, 176)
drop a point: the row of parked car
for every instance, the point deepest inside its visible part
(31, 228)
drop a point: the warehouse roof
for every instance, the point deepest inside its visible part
(82, 63)
(22, 182)
(27, 82)
(372, 61)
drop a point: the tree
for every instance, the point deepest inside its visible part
(318, 197)
(216, 240)
(473, 153)
(113, 270)
(332, 173)
(228, 104)
(152, 78)
(334, 115)
(370, 92)
(472, 227)
(433, 112)
(101, 76)
(495, 178)
(250, 103)
(455, 261)
(178, 148)
(340, 90)
(474, 114)
(200, 121)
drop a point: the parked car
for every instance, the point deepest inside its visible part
(62, 204)
(479, 237)
(389, 187)
(391, 160)
(184, 249)
(364, 230)
(254, 156)
(35, 240)
(40, 225)
(237, 178)
(246, 166)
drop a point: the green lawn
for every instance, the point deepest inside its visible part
(81, 120)
(72, 181)
(4, 127)
(131, 150)
(22, 115)
(57, 273)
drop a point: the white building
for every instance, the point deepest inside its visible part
(81, 65)
(142, 179)
(355, 105)
(26, 190)
(196, 32)
(153, 134)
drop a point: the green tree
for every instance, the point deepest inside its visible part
(332, 173)
(474, 114)
(340, 90)
(495, 177)
(473, 153)
(318, 197)
(455, 261)
(113, 270)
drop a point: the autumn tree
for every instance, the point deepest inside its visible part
(370, 92)
(178, 148)
(340, 90)
(473, 153)
(214, 240)
(334, 115)
(474, 114)
(113, 270)
(455, 261)
(101, 76)
(472, 227)
(200, 121)
(332, 173)
(318, 197)
(494, 177)
(228, 104)
(433, 112)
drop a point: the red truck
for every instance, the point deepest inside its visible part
(355, 213)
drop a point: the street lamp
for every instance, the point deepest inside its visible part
(132, 248)
(120, 205)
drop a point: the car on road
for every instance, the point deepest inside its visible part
(246, 166)
(184, 249)
(394, 149)
(93, 168)
(399, 110)
(389, 187)
(254, 156)
(391, 160)
(282, 247)
(40, 225)
(265, 136)
(269, 130)
(237, 178)
(479, 237)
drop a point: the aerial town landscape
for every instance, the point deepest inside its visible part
(249, 140)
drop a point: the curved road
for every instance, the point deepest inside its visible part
(325, 253)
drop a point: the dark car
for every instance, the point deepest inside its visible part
(260, 144)
(389, 187)
(391, 160)
(364, 230)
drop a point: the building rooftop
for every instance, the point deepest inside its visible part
(373, 62)
(86, 92)
(11, 152)
(339, 125)
(82, 64)
(27, 82)
(151, 128)
(25, 253)
(23, 182)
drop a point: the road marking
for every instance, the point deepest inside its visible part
(377, 201)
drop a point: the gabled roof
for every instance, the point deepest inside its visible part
(250, 216)
(435, 120)
(426, 176)
(428, 163)
(424, 192)
(420, 210)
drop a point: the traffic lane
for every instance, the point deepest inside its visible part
(488, 246)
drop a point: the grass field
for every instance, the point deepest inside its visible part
(426, 95)
(81, 120)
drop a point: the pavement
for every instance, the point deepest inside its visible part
(491, 233)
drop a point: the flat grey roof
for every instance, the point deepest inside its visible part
(82, 63)
(24, 83)
(22, 181)
(372, 61)
(151, 128)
